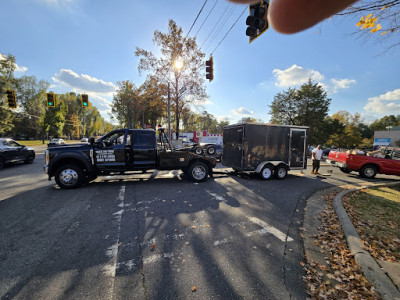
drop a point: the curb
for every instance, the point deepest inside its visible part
(371, 269)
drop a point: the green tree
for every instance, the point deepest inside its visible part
(127, 105)
(383, 123)
(53, 120)
(307, 106)
(284, 107)
(31, 94)
(7, 81)
(181, 65)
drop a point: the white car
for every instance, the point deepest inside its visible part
(84, 140)
(55, 142)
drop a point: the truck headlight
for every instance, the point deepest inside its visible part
(47, 156)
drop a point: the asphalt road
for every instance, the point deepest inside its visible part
(155, 235)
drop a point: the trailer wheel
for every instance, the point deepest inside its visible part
(266, 173)
(280, 172)
(69, 176)
(368, 171)
(198, 171)
(198, 150)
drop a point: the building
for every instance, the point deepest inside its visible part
(387, 138)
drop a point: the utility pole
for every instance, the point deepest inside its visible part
(169, 112)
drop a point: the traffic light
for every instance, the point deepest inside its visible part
(85, 100)
(210, 69)
(51, 100)
(257, 20)
(12, 100)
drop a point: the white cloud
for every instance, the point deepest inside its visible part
(18, 69)
(385, 103)
(83, 83)
(295, 75)
(100, 92)
(241, 111)
(340, 84)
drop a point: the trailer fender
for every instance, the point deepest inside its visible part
(274, 163)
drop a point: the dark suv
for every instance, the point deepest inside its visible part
(11, 152)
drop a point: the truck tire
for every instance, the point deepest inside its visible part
(345, 170)
(368, 171)
(198, 150)
(280, 172)
(197, 171)
(211, 150)
(69, 176)
(266, 172)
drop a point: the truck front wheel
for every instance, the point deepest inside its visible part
(69, 176)
(198, 171)
(368, 171)
(345, 170)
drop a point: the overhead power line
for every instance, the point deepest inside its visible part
(205, 2)
(220, 28)
(215, 26)
(229, 30)
(201, 26)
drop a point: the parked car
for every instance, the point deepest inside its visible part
(326, 151)
(55, 142)
(11, 152)
(84, 140)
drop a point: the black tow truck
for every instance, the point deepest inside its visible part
(123, 151)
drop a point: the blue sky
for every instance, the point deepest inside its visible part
(88, 46)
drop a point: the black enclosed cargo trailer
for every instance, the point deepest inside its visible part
(265, 149)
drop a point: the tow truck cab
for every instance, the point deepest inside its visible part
(121, 151)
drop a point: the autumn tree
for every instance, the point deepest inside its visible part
(350, 137)
(154, 106)
(180, 66)
(377, 19)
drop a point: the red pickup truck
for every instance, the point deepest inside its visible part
(367, 166)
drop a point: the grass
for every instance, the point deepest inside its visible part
(376, 214)
(30, 143)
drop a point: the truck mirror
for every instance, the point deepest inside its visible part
(91, 140)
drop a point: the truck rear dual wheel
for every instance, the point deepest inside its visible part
(197, 171)
(69, 176)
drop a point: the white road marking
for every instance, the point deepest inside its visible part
(270, 229)
(110, 269)
(216, 196)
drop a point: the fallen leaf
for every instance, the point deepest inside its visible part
(153, 246)
(193, 227)
(194, 288)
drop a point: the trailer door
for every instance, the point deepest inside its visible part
(233, 147)
(297, 147)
